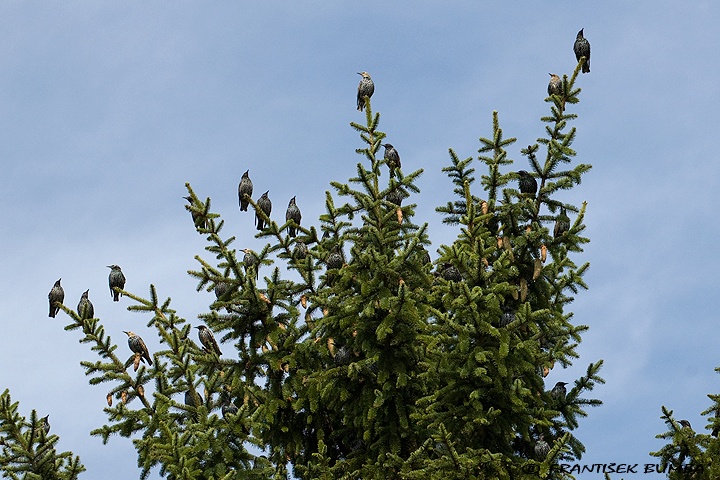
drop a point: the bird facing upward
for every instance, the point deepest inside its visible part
(293, 213)
(116, 279)
(265, 205)
(56, 295)
(365, 89)
(85, 307)
(138, 347)
(245, 188)
(582, 49)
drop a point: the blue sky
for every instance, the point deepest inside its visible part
(106, 110)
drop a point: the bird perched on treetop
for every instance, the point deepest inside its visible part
(582, 49)
(116, 279)
(392, 158)
(555, 88)
(555, 85)
(56, 295)
(293, 213)
(208, 339)
(250, 260)
(245, 188)
(42, 426)
(198, 220)
(265, 205)
(138, 347)
(562, 224)
(365, 89)
(528, 184)
(85, 307)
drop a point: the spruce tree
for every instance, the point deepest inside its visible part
(691, 453)
(27, 447)
(364, 356)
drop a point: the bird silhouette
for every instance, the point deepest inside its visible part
(245, 188)
(56, 295)
(582, 49)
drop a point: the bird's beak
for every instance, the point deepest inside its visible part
(109, 266)
(359, 73)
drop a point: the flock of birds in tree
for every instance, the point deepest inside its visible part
(116, 282)
(366, 88)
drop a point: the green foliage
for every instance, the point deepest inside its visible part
(362, 358)
(27, 448)
(689, 454)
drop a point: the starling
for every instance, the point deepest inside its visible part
(685, 424)
(528, 184)
(138, 347)
(265, 205)
(300, 251)
(208, 339)
(365, 89)
(562, 224)
(245, 188)
(555, 88)
(46, 424)
(43, 426)
(541, 448)
(197, 218)
(250, 260)
(555, 85)
(292, 213)
(228, 408)
(423, 255)
(395, 196)
(559, 391)
(116, 279)
(335, 259)
(85, 308)
(392, 158)
(582, 49)
(221, 288)
(193, 399)
(450, 273)
(343, 356)
(508, 316)
(56, 295)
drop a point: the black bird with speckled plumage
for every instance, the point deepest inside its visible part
(365, 89)
(293, 213)
(582, 49)
(265, 205)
